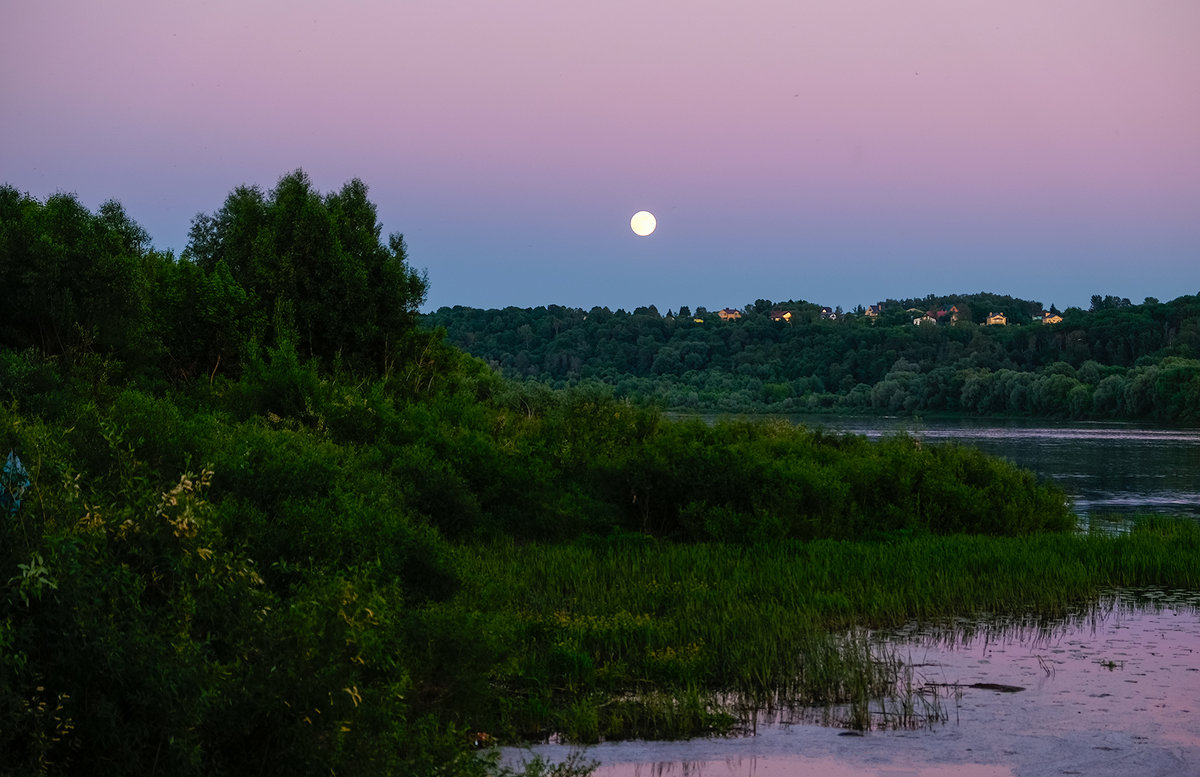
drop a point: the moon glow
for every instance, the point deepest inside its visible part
(643, 223)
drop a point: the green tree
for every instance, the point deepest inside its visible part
(351, 295)
(71, 279)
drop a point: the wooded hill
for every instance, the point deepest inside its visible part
(1117, 360)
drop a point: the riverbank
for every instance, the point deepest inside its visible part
(1111, 691)
(635, 638)
(1110, 470)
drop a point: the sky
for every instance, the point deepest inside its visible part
(837, 151)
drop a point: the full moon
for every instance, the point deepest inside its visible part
(643, 223)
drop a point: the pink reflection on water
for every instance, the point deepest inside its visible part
(1114, 692)
(791, 766)
(1129, 667)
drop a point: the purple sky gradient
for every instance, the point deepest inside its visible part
(840, 152)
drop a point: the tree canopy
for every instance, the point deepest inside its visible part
(287, 267)
(1114, 361)
(311, 267)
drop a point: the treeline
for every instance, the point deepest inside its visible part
(286, 265)
(241, 483)
(1116, 360)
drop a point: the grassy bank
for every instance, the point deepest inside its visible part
(639, 638)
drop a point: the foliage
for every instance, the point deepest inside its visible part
(313, 265)
(73, 279)
(290, 268)
(1098, 364)
(140, 638)
(297, 604)
(620, 637)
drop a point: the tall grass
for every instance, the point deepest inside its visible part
(633, 637)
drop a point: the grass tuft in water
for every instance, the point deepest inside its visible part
(654, 640)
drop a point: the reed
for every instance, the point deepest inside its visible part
(650, 639)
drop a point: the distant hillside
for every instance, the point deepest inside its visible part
(1115, 360)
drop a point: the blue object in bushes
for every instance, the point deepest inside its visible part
(14, 479)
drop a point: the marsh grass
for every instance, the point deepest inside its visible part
(877, 690)
(638, 638)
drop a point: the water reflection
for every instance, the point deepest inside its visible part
(1112, 690)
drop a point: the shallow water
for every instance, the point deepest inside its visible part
(1112, 692)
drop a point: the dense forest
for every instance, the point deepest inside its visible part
(256, 519)
(1117, 360)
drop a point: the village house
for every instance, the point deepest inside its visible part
(729, 314)
(1048, 318)
(950, 312)
(828, 314)
(997, 319)
(781, 315)
(874, 311)
(925, 319)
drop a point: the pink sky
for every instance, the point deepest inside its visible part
(840, 151)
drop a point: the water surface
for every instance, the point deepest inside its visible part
(1112, 692)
